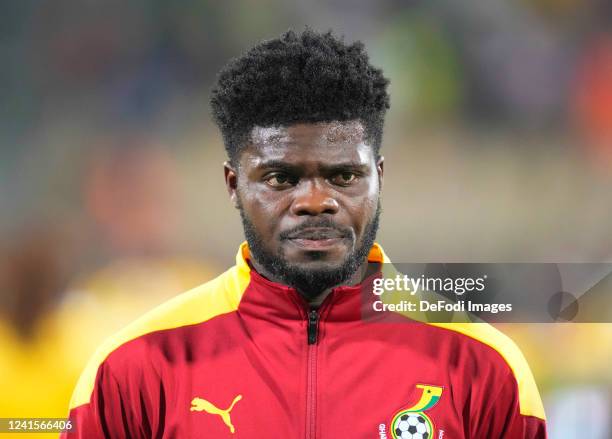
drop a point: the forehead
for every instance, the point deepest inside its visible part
(324, 141)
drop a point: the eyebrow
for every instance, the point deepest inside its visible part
(279, 164)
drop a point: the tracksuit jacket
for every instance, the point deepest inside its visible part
(244, 357)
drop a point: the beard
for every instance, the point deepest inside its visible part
(310, 282)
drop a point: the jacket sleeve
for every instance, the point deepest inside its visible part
(105, 415)
(503, 418)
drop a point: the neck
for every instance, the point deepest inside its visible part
(364, 270)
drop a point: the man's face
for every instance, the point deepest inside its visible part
(308, 196)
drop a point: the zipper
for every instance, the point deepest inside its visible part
(313, 326)
(312, 331)
(311, 379)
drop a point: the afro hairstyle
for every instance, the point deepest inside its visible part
(299, 78)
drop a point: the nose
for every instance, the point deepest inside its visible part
(313, 200)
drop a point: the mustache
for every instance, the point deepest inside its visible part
(317, 229)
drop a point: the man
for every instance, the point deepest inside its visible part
(275, 347)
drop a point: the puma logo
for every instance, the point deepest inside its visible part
(199, 405)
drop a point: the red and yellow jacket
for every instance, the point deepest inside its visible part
(243, 357)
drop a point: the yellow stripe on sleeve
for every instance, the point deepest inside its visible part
(529, 398)
(219, 296)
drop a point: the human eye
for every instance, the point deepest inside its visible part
(344, 178)
(280, 180)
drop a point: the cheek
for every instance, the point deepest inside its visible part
(363, 207)
(367, 209)
(263, 209)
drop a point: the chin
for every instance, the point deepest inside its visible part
(334, 255)
(317, 265)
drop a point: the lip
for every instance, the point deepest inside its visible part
(316, 234)
(316, 244)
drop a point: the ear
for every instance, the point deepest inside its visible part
(380, 168)
(231, 182)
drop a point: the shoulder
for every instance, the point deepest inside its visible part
(214, 298)
(487, 336)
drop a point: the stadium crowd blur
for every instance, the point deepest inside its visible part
(498, 146)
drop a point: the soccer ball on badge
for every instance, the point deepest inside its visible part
(411, 426)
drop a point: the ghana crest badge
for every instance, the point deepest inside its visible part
(413, 423)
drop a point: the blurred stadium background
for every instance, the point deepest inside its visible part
(498, 148)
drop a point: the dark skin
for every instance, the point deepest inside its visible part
(289, 177)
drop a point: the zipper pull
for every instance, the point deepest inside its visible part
(313, 322)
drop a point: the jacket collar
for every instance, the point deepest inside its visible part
(376, 254)
(264, 297)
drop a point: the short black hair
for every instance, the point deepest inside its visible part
(306, 77)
